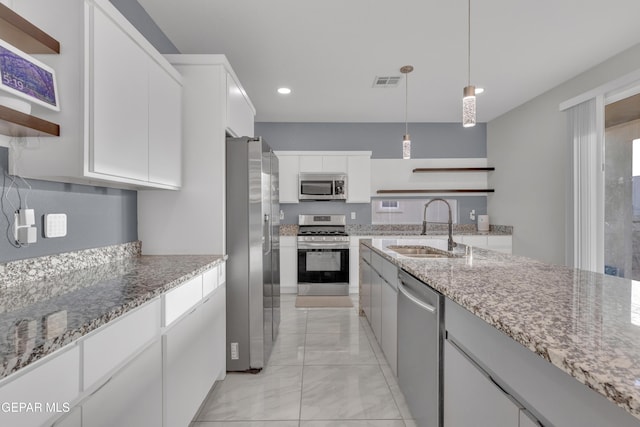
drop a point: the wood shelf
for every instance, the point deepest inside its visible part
(15, 123)
(432, 191)
(416, 170)
(19, 32)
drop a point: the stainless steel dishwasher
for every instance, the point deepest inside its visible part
(420, 324)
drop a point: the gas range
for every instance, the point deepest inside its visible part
(328, 229)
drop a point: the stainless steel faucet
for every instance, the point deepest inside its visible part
(450, 243)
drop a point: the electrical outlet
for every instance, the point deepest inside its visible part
(24, 233)
(234, 351)
(472, 215)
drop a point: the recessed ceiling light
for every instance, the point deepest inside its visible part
(479, 90)
(284, 90)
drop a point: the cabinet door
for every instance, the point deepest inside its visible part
(288, 178)
(119, 144)
(165, 129)
(240, 116)
(366, 274)
(389, 325)
(470, 398)
(334, 164)
(359, 179)
(289, 268)
(218, 324)
(526, 420)
(312, 163)
(376, 305)
(187, 365)
(133, 396)
(73, 419)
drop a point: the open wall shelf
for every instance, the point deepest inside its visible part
(487, 169)
(19, 32)
(432, 191)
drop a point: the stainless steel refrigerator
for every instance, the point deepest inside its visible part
(253, 242)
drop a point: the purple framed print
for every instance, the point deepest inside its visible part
(28, 78)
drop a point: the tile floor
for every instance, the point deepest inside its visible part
(326, 369)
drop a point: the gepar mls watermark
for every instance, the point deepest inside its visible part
(34, 407)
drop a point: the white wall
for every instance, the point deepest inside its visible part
(529, 149)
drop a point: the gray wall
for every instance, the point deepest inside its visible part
(96, 216)
(384, 140)
(428, 140)
(140, 19)
(529, 148)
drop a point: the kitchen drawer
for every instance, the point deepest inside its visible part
(55, 381)
(376, 262)
(390, 273)
(210, 281)
(177, 301)
(115, 342)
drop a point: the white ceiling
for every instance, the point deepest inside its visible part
(329, 51)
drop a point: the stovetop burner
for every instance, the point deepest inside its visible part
(322, 227)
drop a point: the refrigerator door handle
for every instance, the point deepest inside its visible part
(266, 243)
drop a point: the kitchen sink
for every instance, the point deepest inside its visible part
(421, 252)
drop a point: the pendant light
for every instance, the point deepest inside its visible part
(406, 138)
(469, 92)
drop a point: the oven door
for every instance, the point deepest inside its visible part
(323, 270)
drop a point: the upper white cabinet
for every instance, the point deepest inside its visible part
(356, 164)
(240, 112)
(214, 105)
(120, 102)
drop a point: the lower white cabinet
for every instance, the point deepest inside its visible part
(471, 398)
(527, 420)
(189, 349)
(53, 380)
(132, 397)
(288, 264)
(366, 274)
(73, 419)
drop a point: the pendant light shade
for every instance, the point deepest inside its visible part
(469, 92)
(406, 138)
(469, 106)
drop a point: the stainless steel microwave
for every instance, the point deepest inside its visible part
(322, 186)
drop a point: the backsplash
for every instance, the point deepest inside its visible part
(96, 216)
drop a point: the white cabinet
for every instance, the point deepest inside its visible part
(132, 397)
(365, 277)
(54, 380)
(288, 264)
(73, 419)
(201, 200)
(120, 102)
(110, 346)
(359, 179)
(500, 243)
(180, 299)
(356, 164)
(165, 128)
(471, 398)
(240, 112)
(189, 370)
(289, 169)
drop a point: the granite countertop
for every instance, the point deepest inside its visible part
(433, 229)
(83, 300)
(585, 323)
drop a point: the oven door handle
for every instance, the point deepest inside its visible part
(322, 245)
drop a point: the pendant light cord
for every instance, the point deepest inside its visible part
(469, 43)
(406, 104)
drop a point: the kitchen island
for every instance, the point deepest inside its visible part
(128, 340)
(582, 324)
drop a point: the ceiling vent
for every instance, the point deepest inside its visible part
(388, 81)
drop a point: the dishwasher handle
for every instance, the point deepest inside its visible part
(428, 307)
